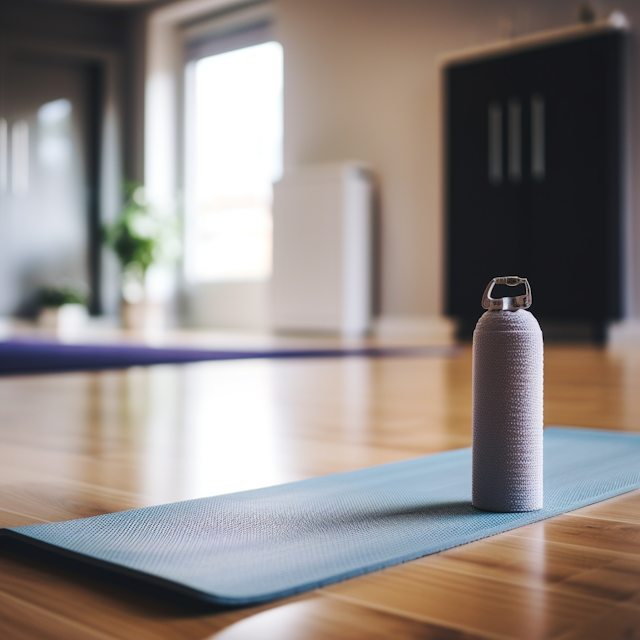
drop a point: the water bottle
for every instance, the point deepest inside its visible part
(507, 403)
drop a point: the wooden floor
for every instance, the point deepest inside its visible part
(75, 445)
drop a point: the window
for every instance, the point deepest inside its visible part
(234, 153)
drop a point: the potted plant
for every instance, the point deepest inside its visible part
(63, 307)
(140, 238)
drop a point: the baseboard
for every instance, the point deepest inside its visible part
(624, 332)
(424, 328)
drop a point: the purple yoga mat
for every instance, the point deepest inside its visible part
(33, 356)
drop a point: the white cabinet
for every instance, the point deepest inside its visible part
(322, 250)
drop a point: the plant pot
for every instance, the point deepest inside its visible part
(65, 319)
(142, 316)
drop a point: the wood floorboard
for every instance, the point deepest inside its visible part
(618, 623)
(17, 519)
(587, 533)
(524, 561)
(81, 444)
(50, 502)
(20, 620)
(328, 617)
(624, 508)
(609, 576)
(471, 603)
(164, 477)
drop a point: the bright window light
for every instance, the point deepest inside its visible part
(237, 155)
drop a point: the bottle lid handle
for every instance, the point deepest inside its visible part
(507, 304)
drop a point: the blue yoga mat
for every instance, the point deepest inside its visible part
(35, 356)
(247, 547)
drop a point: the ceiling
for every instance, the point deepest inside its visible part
(114, 3)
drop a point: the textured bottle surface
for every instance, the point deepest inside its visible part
(507, 412)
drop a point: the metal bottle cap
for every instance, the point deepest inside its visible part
(507, 304)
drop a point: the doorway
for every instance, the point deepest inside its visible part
(48, 179)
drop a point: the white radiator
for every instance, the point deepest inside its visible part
(322, 250)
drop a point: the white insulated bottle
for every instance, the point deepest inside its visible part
(507, 404)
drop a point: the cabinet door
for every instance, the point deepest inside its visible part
(532, 178)
(484, 198)
(572, 201)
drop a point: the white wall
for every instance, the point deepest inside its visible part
(362, 80)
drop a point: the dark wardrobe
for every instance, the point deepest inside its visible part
(533, 180)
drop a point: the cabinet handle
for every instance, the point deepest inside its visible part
(495, 143)
(4, 155)
(515, 140)
(20, 158)
(538, 169)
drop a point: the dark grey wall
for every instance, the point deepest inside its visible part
(67, 23)
(99, 32)
(86, 26)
